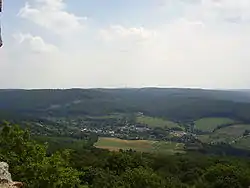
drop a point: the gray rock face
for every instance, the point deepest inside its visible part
(4, 172)
(5, 177)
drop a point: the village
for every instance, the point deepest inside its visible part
(139, 132)
(116, 128)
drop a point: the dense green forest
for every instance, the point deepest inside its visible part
(174, 104)
(86, 166)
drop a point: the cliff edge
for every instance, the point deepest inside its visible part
(5, 177)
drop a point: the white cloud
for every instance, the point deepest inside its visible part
(198, 47)
(119, 31)
(210, 10)
(34, 43)
(118, 38)
(51, 14)
(187, 53)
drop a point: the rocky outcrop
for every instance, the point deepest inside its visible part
(5, 177)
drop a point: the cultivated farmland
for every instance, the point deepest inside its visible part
(115, 144)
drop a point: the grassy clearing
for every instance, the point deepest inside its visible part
(243, 143)
(226, 134)
(114, 144)
(156, 122)
(234, 130)
(168, 147)
(209, 124)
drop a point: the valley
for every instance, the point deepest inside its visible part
(182, 116)
(95, 138)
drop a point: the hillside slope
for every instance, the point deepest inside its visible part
(174, 104)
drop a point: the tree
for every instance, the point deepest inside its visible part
(120, 161)
(103, 178)
(30, 164)
(142, 177)
(226, 176)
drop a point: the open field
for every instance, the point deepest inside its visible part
(168, 147)
(226, 134)
(234, 130)
(114, 144)
(209, 124)
(243, 143)
(156, 122)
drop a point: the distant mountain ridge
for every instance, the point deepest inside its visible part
(172, 103)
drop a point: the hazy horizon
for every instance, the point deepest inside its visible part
(111, 88)
(119, 44)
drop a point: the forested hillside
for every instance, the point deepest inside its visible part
(173, 104)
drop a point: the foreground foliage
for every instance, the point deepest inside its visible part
(90, 167)
(30, 164)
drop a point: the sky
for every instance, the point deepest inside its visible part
(125, 43)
